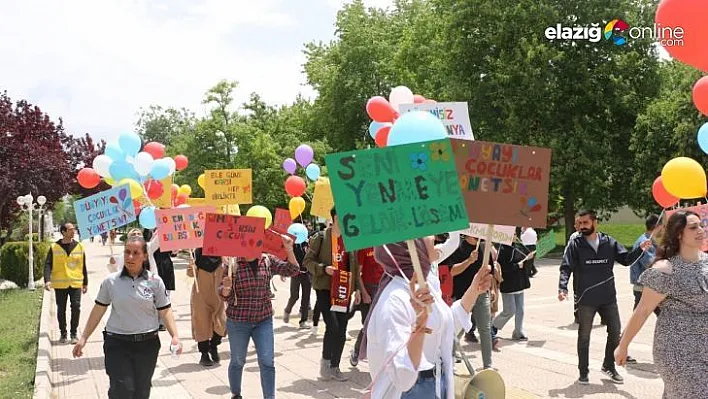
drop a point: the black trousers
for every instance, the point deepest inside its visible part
(336, 329)
(530, 265)
(301, 281)
(74, 297)
(130, 366)
(586, 314)
(638, 297)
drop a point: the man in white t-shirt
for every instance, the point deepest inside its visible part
(529, 238)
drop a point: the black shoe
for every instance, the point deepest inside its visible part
(205, 361)
(470, 337)
(583, 380)
(613, 374)
(521, 338)
(214, 352)
(63, 339)
(631, 360)
(236, 397)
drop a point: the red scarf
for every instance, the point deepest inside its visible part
(340, 289)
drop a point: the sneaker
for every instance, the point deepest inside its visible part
(236, 397)
(613, 374)
(458, 358)
(354, 359)
(583, 380)
(286, 317)
(303, 325)
(314, 330)
(63, 339)
(470, 337)
(631, 360)
(325, 373)
(520, 338)
(337, 375)
(74, 339)
(205, 360)
(495, 344)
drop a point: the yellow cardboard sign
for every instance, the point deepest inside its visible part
(322, 199)
(196, 201)
(165, 200)
(231, 209)
(228, 186)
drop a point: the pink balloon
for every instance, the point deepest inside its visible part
(429, 101)
(417, 99)
(304, 154)
(290, 165)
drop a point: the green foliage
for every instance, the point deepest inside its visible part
(14, 260)
(19, 328)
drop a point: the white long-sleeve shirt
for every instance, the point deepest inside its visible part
(391, 326)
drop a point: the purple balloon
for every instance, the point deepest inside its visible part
(289, 165)
(304, 155)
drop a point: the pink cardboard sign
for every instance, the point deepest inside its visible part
(282, 221)
(181, 228)
(230, 235)
(273, 244)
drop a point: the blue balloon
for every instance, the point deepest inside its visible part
(130, 143)
(312, 171)
(160, 169)
(114, 152)
(147, 217)
(703, 137)
(374, 128)
(532, 201)
(121, 170)
(299, 231)
(416, 127)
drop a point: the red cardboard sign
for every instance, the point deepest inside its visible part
(282, 221)
(445, 283)
(273, 244)
(230, 235)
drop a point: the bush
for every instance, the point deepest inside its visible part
(14, 258)
(35, 237)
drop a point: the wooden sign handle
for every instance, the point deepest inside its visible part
(194, 269)
(488, 246)
(417, 268)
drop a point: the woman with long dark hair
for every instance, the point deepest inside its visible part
(678, 284)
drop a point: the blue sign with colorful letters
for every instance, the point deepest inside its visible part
(104, 211)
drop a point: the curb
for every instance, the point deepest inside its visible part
(43, 388)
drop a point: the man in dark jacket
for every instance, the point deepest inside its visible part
(590, 258)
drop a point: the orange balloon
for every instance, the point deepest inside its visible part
(700, 95)
(382, 136)
(88, 178)
(690, 16)
(661, 196)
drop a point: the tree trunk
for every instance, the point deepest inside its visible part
(568, 213)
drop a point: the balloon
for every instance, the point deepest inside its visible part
(109, 180)
(201, 180)
(88, 178)
(181, 162)
(296, 207)
(147, 217)
(175, 190)
(400, 95)
(661, 196)
(295, 186)
(160, 169)
(299, 231)
(172, 164)
(700, 95)
(183, 206)
(114, 152)
(181, 199)
(136, 205)
(155, 149)
(185, 189)
(416, 127)
(259, 211)
(684, 178)
(154, 189)
(380, 110)
(690, 16)
(290, 165)
(304, 154)
(130, 143)
(382, 136)
(120, 170)
(312, 171)
(143, 163)
(429, 101)
(703, 137)
(374, 128)
(102, 164)
(136, 190)
(418, 99)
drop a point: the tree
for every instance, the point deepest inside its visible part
(163, 124)
(34, 156)
(83, 150)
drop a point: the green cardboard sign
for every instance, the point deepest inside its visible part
(393, 194)
(546, 243)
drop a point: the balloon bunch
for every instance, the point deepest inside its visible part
(295, 185)
(390, 128)
(127, 161)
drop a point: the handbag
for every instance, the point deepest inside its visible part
(487, 384)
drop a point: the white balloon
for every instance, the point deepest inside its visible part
(173, 165)
(183, 206)
(143, 163)
(400, 95)
(102, 165)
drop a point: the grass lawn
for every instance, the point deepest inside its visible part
(626, 234)
(19, 326)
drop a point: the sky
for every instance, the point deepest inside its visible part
(96, 63)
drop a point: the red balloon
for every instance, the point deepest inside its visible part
(88, 178)
(661, 196)
(181, 162)
(690, 16)
(154, 189)
(155, 149)
(417, 99)
(295, 186)
(700, 95)
(429, 101)
(382, 136)
(175, 191)
(380, 110)
(136, 205)
(181, 199)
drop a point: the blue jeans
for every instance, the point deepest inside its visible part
(424, 388)
(513, 307)
(240, 333)
(482, 318)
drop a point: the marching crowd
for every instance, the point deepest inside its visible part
(409, 329)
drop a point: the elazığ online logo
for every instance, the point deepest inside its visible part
(615, 31)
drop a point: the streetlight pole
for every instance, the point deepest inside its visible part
(26, 203)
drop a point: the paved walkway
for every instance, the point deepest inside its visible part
(544, 367)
